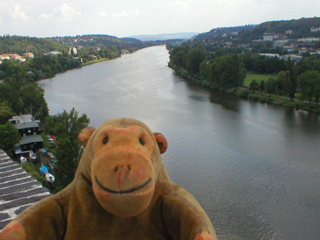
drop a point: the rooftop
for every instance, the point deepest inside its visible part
(18, 190)
(30, 139)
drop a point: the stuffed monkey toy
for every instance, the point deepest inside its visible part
(121, 190)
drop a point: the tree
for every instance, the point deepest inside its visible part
(193, 60)
(9, 136)
(32, 97)
(66, 126)
(227, 72)
(254, 86)
(177, 56)
(309, 85)
(262, 85)
(5, 113)
(291, 79)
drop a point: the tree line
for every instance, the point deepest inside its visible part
(226, 70)
(223, 72)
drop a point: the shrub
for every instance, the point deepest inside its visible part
(243, 93)
(253, 97)
(29, 167)
(231, 91)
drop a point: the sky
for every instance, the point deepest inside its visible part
(122, 18)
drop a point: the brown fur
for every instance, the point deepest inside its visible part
(121, 191)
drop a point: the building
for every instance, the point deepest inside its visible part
(289, 31)
(53, 53)
(315, 29)
(294, 57)
(270, 55)
(73, 51)
(18, 190)
(29, 55)
(30, 131)
(269, 37)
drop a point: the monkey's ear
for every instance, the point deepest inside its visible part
(85, 135)
(162, 142)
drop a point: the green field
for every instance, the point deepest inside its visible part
(257, 77)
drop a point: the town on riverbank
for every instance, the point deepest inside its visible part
(275, 62)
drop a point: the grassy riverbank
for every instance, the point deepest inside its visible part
(257, 77)
(273, 99)
(262, 97)
(95, 61)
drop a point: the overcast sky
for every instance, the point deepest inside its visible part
(121, 18)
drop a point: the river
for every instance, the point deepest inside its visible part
(254, 167)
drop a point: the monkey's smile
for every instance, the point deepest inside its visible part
(123, 191)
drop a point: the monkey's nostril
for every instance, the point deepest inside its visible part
(116, 169)
(129, 168)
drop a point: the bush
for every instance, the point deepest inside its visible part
(254, 97)
(29, 167)
(243, 93)
(231, 91)
(264, 98)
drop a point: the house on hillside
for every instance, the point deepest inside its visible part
(289, 32)
(315, 29)
(53, 53)
(269, 37)
(73, 51)
(12, 56)
(29, 55)
(270, 55)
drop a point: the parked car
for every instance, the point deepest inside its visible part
(32, 156)
(50, 154)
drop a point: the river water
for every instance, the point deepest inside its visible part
(254, 167)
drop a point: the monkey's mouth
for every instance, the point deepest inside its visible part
(123, 191)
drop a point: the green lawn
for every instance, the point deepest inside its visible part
(257, 77)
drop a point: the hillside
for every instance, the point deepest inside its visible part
(299, 28)
(216, 32)
(20, 45)
(95, 40)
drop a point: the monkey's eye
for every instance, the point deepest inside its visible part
(142, 141)
(105, 140)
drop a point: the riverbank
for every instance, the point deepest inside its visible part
(245, 93)
(273, 99)
(97, 61)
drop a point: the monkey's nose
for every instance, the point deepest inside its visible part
(126, 167)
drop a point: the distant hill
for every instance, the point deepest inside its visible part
(20, 45)
(95, 40)
(216, 32)
(167, 36)
(299, 28)
(38, 46)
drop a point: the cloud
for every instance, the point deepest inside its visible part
(126, 13)
(43, 16)
(63, 12)
(102, 14)
(18, 15)
(66, 12)
(180, 3)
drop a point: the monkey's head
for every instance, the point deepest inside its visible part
(122, 161)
